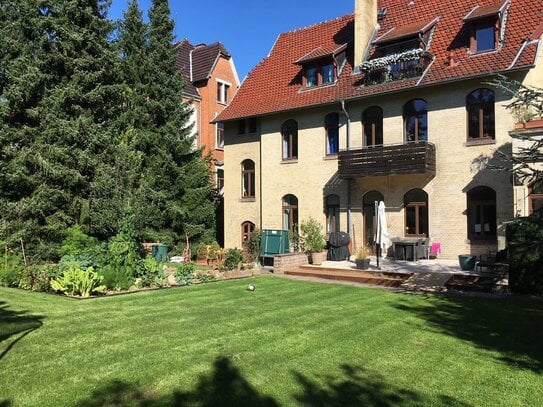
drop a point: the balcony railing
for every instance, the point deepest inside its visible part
(390, 159)
(395, 67)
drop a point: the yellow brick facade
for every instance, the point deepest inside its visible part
(459, 168)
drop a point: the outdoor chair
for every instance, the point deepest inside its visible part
(434, 250)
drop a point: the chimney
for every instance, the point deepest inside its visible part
(365, 23)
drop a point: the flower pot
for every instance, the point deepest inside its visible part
(317, 258)
(362, 264)
(467, 262)
(532, 124)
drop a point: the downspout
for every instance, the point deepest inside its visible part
(348, 147)
(260, 172)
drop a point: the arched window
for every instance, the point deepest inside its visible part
(536, 196)
(480, 111)
(416, 213)
(331, 126)
(289, 133)
(290, 213)
(481, 213)
(415, 117)
(372, 122)
(332, 213)
(247, 229)
(368, 210)
(248, 179)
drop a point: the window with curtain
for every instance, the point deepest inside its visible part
(415, 116)
(311, 77)
(481, 213)
(480, 111)
(248, 179)
(327, 73)
(331, 125)
(332, 213)
(290, 213)
(416, 213)
(289, 134)
(372, 122)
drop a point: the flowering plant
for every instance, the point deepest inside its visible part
(387, 60)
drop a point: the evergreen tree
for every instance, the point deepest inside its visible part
(58, 94)
(173, 193)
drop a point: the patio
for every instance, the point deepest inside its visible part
(435, 275)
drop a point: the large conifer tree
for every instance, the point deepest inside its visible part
(58, 96)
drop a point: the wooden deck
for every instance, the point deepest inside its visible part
(385, 279)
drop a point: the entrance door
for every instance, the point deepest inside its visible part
(368, 212)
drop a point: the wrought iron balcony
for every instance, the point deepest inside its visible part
(395, 67)
(390, 159)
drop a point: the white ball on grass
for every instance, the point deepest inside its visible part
(251, 287)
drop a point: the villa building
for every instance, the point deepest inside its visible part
(392, 103)
(211, 81)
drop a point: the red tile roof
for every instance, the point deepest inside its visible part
(397, 33)
(486, 11)
(276, 84)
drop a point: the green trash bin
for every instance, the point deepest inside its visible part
(160, 252)
(273, 242)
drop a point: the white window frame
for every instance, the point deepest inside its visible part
(222, 93)
(219, 130)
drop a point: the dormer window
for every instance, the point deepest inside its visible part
(399, 53)
(322, 66)
(486, 26)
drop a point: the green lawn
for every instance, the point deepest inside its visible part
(287, 343)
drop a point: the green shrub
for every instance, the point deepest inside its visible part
(233, 258)
(252, 245)
(81, 260)
(525, 247)
(37, 277)
(151, 273)
(76, 242)
(117, 278)
(206, 278)
(75, 281)
(184, 273)
(10, 266)
(312, 238)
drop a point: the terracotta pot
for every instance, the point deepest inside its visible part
(532, 124)
(318, 258)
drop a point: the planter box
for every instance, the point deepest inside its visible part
(363, 264)
(317, 258)
(532, 124)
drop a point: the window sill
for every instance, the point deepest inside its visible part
(248, 199)
(330, 157)
(315, 87)
(291, 161)
(480, 142)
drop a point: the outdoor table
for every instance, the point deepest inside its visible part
(404, 243)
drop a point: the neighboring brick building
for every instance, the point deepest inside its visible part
(211, 81)
(390, 103)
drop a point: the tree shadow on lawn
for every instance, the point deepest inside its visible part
(226, 387)
(15, 324)
(511, 326)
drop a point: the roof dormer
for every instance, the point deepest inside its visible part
(322, 66)
(486, 25)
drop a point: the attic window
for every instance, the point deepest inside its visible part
(322, 73)
(486, 25)
(322, 65)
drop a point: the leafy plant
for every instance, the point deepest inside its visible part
(151, 273)
(361, 253)
(37, 277)
(206, 278)
(252, 245)
(184, 273)
(117, 278)
(9, 268)
(76, 281)
(233, 258)
(313, 239)
(76, 242)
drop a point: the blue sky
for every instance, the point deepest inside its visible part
(248, 29)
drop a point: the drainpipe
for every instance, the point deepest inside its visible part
(349, 203)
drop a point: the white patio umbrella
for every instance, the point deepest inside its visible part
(381, 236)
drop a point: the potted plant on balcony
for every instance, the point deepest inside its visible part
(361, 258)
(314, 241)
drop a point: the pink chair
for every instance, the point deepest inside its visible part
(434, 250)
